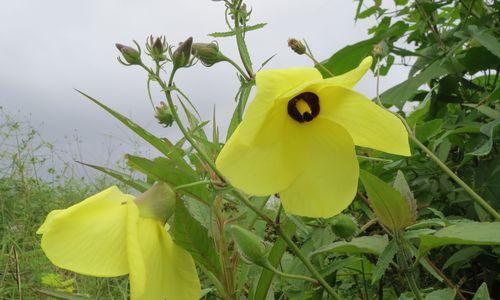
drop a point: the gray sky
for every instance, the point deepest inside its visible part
(50, 47)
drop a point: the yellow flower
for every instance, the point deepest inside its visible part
(106, 236)
(297, 139)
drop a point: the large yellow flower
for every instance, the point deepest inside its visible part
(107, 235)
(297, 139)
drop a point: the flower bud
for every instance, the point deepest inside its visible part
(297, 46)
(164, 115)
(344, 226)
(130, 55)
(250, 245)
(157, 202)
(378, 50)
(182, 54)
(156, 48)
(207, 53)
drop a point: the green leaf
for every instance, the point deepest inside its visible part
(139, 185)
(482, 293)
(63, 295)
(489, 130)
(348, 57)
(277, 251)
(404, 91)
(231, 33)
(401, 185)
(163, 146)
(485, 38)
(384, 260)
(163, 169)
(486, 110)
(389, 206)
(463, 234)
(242, 98)
(462, 255)
(367, 12)
(188, 233)
(365, 244)
(444, 294)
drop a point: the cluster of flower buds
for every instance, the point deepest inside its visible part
(207, 53)
(157, 48)
(164, 115)
(130, 55)
(297, 46)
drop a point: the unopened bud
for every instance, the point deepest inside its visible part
(182, 54)
(131, 55)
(207, 53)
(378, 50)
(157, 202)
(156, 48)
(250, 245)
(164, 115)
(344, 226)
(297, 46)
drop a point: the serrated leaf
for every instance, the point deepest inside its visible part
(384, 260)
(389, 206)
(188, 233)
(231, 33)
(471, 233)
(366, 244)
(401, 185)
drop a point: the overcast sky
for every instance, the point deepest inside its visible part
(50, 47)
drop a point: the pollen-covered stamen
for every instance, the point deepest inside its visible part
(303, 107)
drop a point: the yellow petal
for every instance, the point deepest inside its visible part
(329, 183)
(89, 237)
(369, 125)
(159, 269)
(350, 78)
(271, 161)
(271, 84)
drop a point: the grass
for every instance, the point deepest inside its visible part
(26, 197)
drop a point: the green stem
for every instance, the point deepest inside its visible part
(167, 88)
(292, 276)
(308, 264)
(237, 67)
